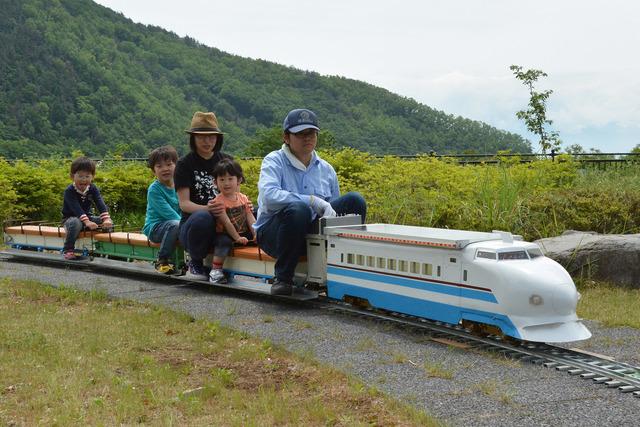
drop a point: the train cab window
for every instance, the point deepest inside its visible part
(381, 262)
(371, 261)
(534, 253)
(391, 264)
(415, 267)
(427, 269)
(351, 258)
(360, 259)
(512, 255)
(486, 255)
(403, 265)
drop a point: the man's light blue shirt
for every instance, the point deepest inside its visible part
(284, 180)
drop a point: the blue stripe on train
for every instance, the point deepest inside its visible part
(419, 307)
(415, 284)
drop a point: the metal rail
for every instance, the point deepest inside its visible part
(602, 370)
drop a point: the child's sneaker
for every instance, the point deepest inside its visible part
(217, 276)
(164, 267)
(69, 255)
(195, 272)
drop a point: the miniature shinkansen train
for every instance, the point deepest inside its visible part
(483, 280)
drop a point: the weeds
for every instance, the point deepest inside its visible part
(493, 389)
(437, 370)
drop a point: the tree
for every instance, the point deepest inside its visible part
(268, 140)
(575, 149)
(264, 142)
(535, 117)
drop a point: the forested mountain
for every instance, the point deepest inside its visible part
(76, 75)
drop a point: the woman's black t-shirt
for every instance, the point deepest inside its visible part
(197, 173)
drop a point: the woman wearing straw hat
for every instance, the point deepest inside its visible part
(196, 191)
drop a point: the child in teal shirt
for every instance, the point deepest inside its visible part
(163, 212)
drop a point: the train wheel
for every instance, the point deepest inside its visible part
(481, 329)
(357, 301)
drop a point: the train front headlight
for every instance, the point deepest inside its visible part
(536, 300)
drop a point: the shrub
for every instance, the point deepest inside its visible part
(8, 207)
(537, 199)
(39, 186)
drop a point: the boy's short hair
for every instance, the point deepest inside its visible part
(228, 166)
(166, 153)
(83, 164)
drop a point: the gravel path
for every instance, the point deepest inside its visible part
(466, 388)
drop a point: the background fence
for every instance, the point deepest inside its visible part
(598, 160)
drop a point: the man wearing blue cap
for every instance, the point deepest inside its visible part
(296, 186)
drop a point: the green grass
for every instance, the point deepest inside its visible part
(609, 304)
(495, 390)
(75, 358)
(437, 370)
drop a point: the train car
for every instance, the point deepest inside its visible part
(455, 276)
(487, 281)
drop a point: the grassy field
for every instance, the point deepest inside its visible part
(75, 358)
(610, 304)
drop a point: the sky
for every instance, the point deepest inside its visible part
(451, 55)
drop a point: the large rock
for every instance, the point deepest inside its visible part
(610, 257)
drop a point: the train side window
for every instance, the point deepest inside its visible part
(341, 257)
(403, 265)
(351, 259)
(464, 275)
(371, 261)
(391, 264)
(415, 267)
(452, 260)
(486, 254)
(382, 262)
(438, 271)
(360, 259)
(427, 269)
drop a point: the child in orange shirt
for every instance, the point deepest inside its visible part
(235, 225)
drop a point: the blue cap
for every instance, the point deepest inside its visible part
(299, 120)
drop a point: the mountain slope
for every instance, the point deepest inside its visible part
(76, 75)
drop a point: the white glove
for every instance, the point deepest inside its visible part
(322, 207)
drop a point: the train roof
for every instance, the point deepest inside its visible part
(421, 236)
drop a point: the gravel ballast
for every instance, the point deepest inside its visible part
(466, 388)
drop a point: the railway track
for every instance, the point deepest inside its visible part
(599, 369)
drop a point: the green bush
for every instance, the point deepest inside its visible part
(537, 199)
(39, 186)
(123, 186)
(8, 198)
